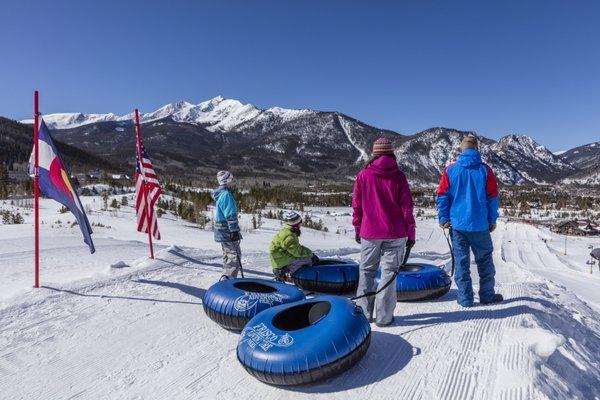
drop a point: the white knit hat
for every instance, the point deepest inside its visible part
(224, 177)
(292, 218)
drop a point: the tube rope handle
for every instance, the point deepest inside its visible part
(388, 283)
(447, 236)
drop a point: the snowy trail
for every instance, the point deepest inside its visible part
(528, 250)
(143, 334)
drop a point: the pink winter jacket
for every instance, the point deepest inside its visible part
(382, 202)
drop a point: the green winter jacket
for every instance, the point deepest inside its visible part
(285, 248)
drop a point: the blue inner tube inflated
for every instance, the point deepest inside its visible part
(304, 342)
(419, 281)
(231, 303)
(328, 276)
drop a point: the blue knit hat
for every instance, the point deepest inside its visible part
(292, 218)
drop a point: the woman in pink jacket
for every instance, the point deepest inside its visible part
(385, 227)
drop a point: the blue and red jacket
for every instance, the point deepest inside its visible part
(468, 194)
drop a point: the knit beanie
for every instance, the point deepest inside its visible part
(382, 146)
(224, 177)
(469, 142)
(291, 218)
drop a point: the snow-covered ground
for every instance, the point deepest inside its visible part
(138, 331)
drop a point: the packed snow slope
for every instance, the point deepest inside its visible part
(138, 331)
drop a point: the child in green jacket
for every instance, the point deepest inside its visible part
(286, 253)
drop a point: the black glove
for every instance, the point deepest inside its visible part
(315, 259)
(409, 246)
(357, 238)
(234, 236)
(279, 275)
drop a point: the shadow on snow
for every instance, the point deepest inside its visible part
(378, 364)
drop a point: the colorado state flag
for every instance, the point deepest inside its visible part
(55, 183)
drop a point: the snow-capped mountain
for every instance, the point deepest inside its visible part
(424, 155)
(583, 156)
(193, 139)
(533, 161)
(73, 120)
(216, 114)
(587, 159)
(196, 139)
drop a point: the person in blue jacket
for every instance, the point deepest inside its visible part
(227, 228)
(467, 202)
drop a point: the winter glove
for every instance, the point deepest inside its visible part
(445, 225)
(357, 238)
(492, 227)
(279, 275)
(314, 259)
(234, 236)
(410, 244)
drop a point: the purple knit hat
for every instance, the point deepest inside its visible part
(383, 146)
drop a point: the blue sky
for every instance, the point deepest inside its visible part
(496, 67)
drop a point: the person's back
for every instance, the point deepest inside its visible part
(385, 228)
(467, 201)
(468, 193)
(388, 214)
(225, 214)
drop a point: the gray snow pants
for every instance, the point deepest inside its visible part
(387, 254)
(231, 258)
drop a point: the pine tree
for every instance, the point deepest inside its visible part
(3, 181)
(105, 200)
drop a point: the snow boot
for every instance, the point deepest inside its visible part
(496, 298)
(223, 277)
(388, 324)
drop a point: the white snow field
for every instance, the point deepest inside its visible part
(137, 330)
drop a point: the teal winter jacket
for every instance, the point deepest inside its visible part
(226, 214)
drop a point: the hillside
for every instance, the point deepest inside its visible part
(191, 140)
(16, 144)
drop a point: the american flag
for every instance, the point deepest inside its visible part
(145, 175)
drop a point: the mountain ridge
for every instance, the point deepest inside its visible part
(225, 133)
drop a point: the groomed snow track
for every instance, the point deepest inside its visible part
(144, 335)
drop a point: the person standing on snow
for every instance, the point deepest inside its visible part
(227, 229)
(385, 228)
(286, 253)
(467, 201)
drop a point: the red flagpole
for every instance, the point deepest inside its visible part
(139, 147)
(36, 189)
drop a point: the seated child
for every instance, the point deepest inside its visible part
(286, 253)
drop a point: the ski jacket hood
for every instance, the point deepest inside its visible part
(219, 191)
(470, 158)
(385, 167)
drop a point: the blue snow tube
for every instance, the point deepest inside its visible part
(304, 342)
(231, 303)
(328, 276)
(418, 281)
